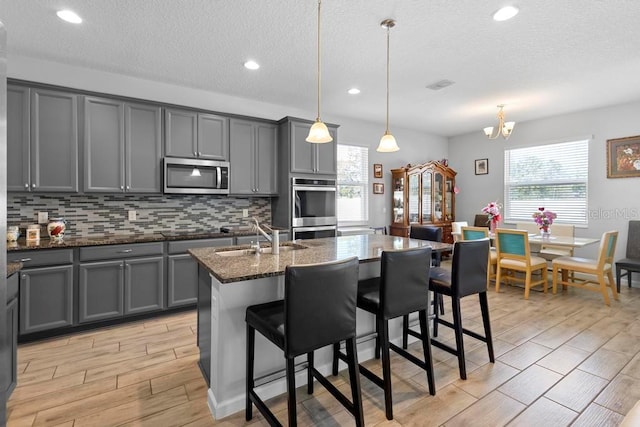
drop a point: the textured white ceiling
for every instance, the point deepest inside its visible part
(556, 56)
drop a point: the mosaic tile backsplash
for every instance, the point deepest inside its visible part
(99, 215)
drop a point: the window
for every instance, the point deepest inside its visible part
(553, 176)
(353, 184)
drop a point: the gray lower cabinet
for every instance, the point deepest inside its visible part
(101, 291)
(253, 149)
(11, 337)
(143, 285)
(306, 157)
(196, 135)
(122, 146)
(42, 133)
(182, 270)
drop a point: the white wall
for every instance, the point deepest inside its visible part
(612, 202)
(415, 147)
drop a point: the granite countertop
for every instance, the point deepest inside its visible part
(367, 248)
(13, 267)
(74, 242)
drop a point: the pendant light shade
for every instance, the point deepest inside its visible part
(319, 134)
(387, 142)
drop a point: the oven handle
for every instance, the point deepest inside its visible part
(323, 228)
(299, 188)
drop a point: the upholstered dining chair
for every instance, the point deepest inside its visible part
(599, 268)
(456, 229)
(549, 251)
(631, 262)
(481, 220)
(477, 233)
(514, 257)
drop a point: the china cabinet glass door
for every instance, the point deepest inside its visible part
(448, 197)
(426, 197)
(398, 200)
(438, 193)
(414, 194)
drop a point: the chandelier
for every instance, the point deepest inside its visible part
(319, 134)
(503, 128)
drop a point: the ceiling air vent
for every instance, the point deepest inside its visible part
(440, 84)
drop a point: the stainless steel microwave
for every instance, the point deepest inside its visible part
(195, 176)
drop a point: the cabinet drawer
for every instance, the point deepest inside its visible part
(181, 247)
(96, 253)
(37, 258)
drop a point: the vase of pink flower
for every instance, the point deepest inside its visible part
(544, 219)
(493, 212)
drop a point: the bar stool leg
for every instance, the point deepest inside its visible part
(291, 392)
(484, 307)
(310, 372)
(386, 366)
(354, 378)
(405, 331)
(436, 300)
(457, 325)
(377, 349)
(336, 361)
(426, 349)
(251, 335)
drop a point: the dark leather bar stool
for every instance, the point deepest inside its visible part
(402, 288)
(468, 276)
(319, 309)
(433, 234)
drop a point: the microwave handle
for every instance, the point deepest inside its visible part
(218, 177)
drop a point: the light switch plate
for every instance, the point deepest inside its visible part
(132, 215)
(43, 217)
(245, 213)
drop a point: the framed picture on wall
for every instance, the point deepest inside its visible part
(482, 166)
(377, 170)
(378, 188)
(623, 157)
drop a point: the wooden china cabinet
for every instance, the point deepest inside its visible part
(423, 194)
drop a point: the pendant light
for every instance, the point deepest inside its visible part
(319, 134)
(387, 142)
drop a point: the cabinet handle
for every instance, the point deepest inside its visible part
(128, 187)
(125, 251)
(199, 153)
(195, 153)
(25, 259)
(122, 187)
(24, 276)
(33, 186)
(26, 185)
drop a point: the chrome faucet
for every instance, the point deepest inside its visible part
(274, 238)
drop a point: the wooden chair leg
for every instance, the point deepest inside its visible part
(603, 288)
(612, 285)
(354, 379)
(554, 287)
(291, 392)
(310, 372)
(484, 308)
(498, 278)
(527, 284)
(251, 338)
(457, 326)
(386, 366)
(426, 349)
(545, 278)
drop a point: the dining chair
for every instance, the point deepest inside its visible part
(531, 228)
(631, 262)
(599, 268)
(514, 256)
(456, 229)
(550, 251)
(481, 220)
(477, 233)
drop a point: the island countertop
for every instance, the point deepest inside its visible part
(367, 248)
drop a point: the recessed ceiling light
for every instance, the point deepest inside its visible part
(251, 65)
(69, 16)
(505, 13)
(353, 91)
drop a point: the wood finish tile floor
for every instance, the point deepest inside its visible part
(560, 360)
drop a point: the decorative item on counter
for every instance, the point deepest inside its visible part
(13, 232)
(56, 228)
(493, 212)
(33, 233)
(544, 219)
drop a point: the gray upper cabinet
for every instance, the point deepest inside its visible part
(123, 146)
(253, 147)
(196, 135)
(311, 158)
(42, 140)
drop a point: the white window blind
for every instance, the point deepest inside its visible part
(553, 176)
(353, 184)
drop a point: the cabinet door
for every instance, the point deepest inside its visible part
(438, 193)
(242, 159)
(302, 152)
(182, 280)
(18, 115)
(181, 133)
(266, 167)
(143, 145)
(326, 154)
(11, 346)
(101, 291)
(427, 202)
(54, 141)
(144, 285)
(414, 198)
(46, 298)
(213, 137)
(103, 145)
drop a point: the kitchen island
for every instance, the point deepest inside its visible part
(230, 279)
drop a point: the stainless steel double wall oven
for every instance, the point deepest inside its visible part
(313, 208)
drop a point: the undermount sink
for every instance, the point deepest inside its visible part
(287, 247)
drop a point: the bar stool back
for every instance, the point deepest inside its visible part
(319, 309)
(402, 288)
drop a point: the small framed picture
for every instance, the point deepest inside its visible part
(623, 157)
(377, 170)
(482, 166)
(378, 188)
